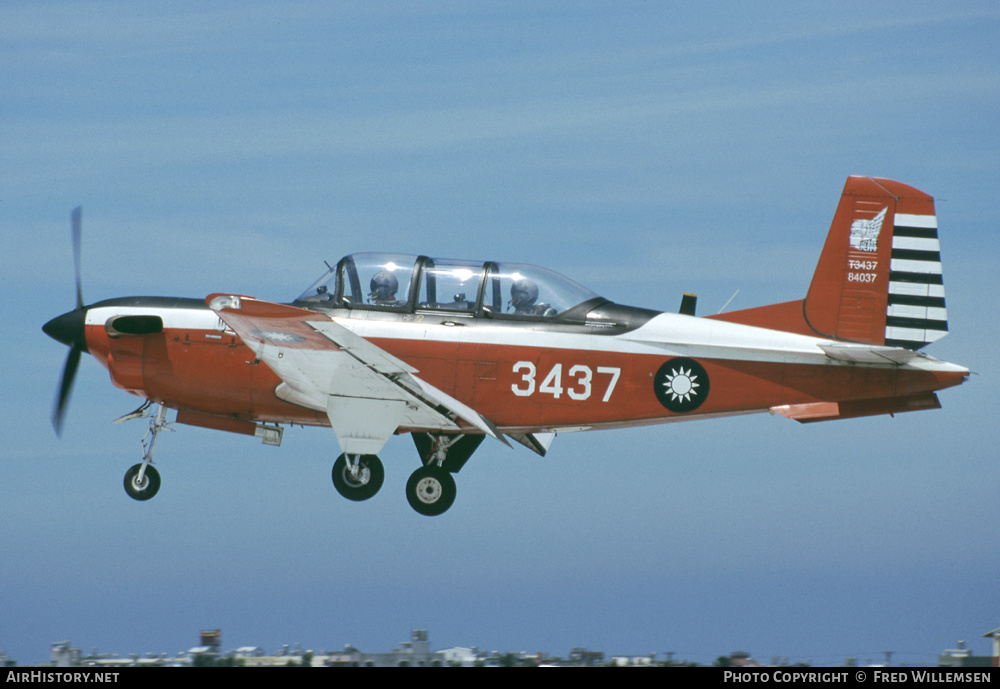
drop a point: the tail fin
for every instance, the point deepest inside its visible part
(878, 280)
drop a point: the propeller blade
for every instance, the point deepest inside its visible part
(76, 220)
(69, 328)
(66, 387)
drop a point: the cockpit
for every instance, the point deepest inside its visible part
(408, 284)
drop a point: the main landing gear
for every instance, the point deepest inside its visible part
(358, 477)
(430, 489)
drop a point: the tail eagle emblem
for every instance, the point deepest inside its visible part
(864, 233)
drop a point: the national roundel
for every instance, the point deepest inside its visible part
(681, 385)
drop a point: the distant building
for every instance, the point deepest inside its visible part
(634, 661)
(349, 657)
(995, 635)
(249, 652)
(962, 656)
(413, 653)
(211, 638)
(742, 659)
(462, 657)
(61, 654)
(581, 656)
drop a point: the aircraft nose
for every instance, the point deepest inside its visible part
(68, 328)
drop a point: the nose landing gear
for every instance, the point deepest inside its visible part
(142, 481)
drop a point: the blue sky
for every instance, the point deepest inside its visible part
(644, 150)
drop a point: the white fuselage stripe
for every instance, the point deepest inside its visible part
(665, 334)
(173, 317)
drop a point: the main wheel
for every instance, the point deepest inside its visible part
(361, 485)
(430, 490)
(149, 486)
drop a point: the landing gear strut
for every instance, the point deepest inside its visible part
(431, 488)
(142, 481)
(358, 477)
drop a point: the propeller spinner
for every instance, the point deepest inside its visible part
(69, 329)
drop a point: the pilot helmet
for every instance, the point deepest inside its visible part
(523, 293)
(384, 286)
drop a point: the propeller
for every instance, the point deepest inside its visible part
(69, 329)
(76, 227)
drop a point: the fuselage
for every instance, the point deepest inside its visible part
(621, 367)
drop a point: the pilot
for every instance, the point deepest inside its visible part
(523, 295)
(384, 286)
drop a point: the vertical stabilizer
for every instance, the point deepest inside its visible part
(878, 279)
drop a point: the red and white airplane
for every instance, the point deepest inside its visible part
(452, 351)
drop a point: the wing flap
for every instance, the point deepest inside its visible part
(539, 443)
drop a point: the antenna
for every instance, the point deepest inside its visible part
(727, 303)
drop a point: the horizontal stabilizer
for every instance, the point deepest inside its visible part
(868, 354)
(828, 411)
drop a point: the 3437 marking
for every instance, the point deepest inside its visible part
(579, 383)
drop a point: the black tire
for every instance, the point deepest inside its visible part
(364, 486)
(430, 491)
(151, 481)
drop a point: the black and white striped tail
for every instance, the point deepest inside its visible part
(916, 314)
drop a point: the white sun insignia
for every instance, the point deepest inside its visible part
(682, 384)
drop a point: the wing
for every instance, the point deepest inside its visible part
(367, 393)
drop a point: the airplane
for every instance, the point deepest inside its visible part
(454, 351)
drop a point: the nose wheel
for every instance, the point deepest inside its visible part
(142, 485)
(430, 490)
(358, 477)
